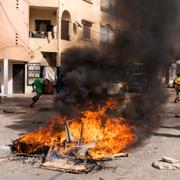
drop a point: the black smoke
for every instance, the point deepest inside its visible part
(141, 41)
(146, 38)
(146, 32)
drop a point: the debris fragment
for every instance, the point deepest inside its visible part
(65, 166)
(169, 160)
(4, 151)
(166, 163)
(115, 156)
(14, 111)
(165, 166)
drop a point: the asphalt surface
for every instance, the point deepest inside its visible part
(165, 141)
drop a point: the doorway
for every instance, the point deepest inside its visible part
(18, 78)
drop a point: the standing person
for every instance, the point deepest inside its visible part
(38, 88)
(176, 85)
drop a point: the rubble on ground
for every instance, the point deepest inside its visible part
(166, 163)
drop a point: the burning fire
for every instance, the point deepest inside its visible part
(94, 131)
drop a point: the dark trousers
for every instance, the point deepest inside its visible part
(35, 99)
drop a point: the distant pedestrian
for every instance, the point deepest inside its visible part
(176, 85)
(38, 88)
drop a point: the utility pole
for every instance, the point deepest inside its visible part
(58, 58)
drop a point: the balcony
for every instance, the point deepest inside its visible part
(43, 29)
(43, 44)
(44, 3)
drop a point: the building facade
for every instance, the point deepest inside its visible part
(36, 33)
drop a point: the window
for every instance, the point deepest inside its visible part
(42, 27)
(87, 30)
(107, 35)
(65, 30)
(65, 27)
(104, 34)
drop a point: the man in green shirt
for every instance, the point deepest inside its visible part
(38, 88)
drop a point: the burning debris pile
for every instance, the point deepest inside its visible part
(94, 135)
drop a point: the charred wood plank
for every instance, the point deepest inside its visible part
(64, 166)
(114, 156)
(30, 155)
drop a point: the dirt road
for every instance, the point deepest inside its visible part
(163, 142)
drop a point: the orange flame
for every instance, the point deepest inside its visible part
(110, 135)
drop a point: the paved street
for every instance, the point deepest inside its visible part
(163, 142)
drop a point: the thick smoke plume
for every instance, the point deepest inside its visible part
(141, 41)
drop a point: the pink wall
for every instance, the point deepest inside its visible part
(14, 22)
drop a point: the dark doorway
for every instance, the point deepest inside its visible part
(18, 78)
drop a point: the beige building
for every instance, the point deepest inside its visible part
(36, 32)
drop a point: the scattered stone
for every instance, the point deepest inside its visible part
(4, 151)
(165, 166)
(169, 160)
(166, 163)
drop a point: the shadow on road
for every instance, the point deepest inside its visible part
(166, 135)
(31, 118)
(171, 127)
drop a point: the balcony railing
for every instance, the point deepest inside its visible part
(43, 43)
(42, 34)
